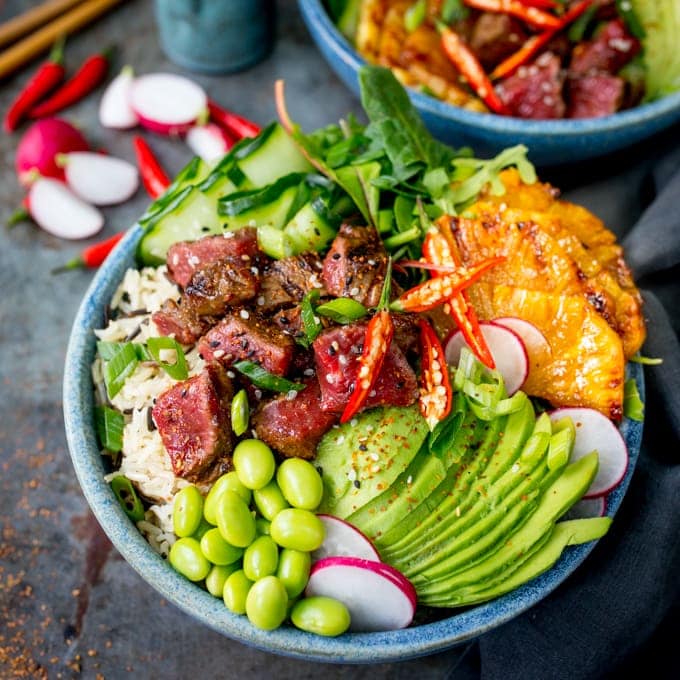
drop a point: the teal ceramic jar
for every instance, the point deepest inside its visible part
(216, 36)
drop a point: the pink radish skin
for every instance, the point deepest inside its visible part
(535, 343)
(344, 539)
(115, 110)
(595, 431)
(167, 103)
(57, 210)
(41, 144)
(378, 597)
(100, 179)
(507, 350)
(587, 507)
(209, 142)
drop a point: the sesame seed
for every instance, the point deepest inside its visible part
(458, 511)
(515, 467)
(352, 475)
(354, 291)
(308, 372)
(258, 394)
(231, 374)
(410, 479)
(375, 468)
(375, 457)
(372, 393)
(330, 378)
(291, 394)
(343, 360)
(245, 258)
(218, 353)
(260, 300)
(354, 422)
(228, 234)
(244, 314)
(340, 439)
(371, 263)
(255, 270)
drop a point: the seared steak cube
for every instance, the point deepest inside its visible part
(245, 335)
(294, 427)
(186, 257)
(193, 420)
(181, 321)
(494, 37)
(336, 354)
(355, 265)
(611, 49)
(285, 282)
(595, 95)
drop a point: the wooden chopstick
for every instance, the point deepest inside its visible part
(40, 41)
(23, 24)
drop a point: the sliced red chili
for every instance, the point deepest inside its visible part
(154, 179)
(435, 391)
(92, 256)
(237, 126)
(379, 335)
(542, 4)
(531, 15)
(467, 63)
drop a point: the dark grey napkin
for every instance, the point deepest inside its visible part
(619, 614)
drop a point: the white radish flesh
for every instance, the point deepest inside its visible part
(595, 432)
(208, 141)
(167, 103)
(100, 179)
(586, 508)
(343, 539)
(535, 343)
(507, 350)
(115, 109)
(378, 597)
(57, 210)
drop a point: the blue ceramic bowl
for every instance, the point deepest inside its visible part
(348, 648)
(550, 142)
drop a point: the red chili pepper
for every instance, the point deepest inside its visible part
(44, 80)
(87, 77)
(435, 391)
(441, 289)
(543, 4)
(436, 249)
(465, 60)
(236, 125)
(154, 179)
(92, 256)
(376, 343)
(508, 66)
(532, 15)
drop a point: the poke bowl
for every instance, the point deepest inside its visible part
(552, 141)
(127, 301)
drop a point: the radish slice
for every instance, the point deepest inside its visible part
(378, 597)
(100, 179)
(535, 343)
(115, 110)
(57, 210)
(344, 539)
(595, 431)
(507, 350)
(167, 103)
(209, 142)
(587, 507)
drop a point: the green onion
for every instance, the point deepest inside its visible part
(342, 310)
(385, 221)
(261, 377)
(119, 368)
(625, 9)
(107, 350)
(178, 369)
(454, 10)
(578, 29)
(633, 406)
(401, 239)
(240, 413)
(415, 15)
(310, 322)
(109, 424)
(128, 498)
(559, 449)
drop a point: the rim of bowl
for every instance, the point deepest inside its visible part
(315, 12)
(388, 646)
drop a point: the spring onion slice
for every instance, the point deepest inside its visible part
(310, 322)
(415, 15)
(342, 310)
(240, 413)
(107, 350)
(128, 498)
(119, 368)
(178, 369)
(262, 378)
(109, 424)
(633, 406)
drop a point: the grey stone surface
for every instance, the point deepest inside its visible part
(69, 605)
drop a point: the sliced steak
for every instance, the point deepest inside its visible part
(181, 321)
(535, 90)
(193, 421)
(494, 37)
(406, 331)
(186, 257)
(611, 49)
(285, 282)
(294, 427)
(355, 265)
(290, 321)
(236, 338)
(595, 95)
(336, 354)
(221, 284)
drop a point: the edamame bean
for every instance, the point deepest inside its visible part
(234, 520)
(260, 558)
(263, 526)
(269, 500)
(217, 550)
(229, 481)
(266, 603)
(293, 570)
(254, 463)
(321, 615)
(186, 558)
(187, 511)
(297, 529)
(300, 483)
(240, 413)
(217, 577)
(235, 591)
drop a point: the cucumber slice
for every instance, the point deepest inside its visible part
(274, 242)
(311, 228)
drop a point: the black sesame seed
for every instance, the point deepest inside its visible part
(363, 447)
(331, 351)
(215, 343)
(357, 483)
(336, 256)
